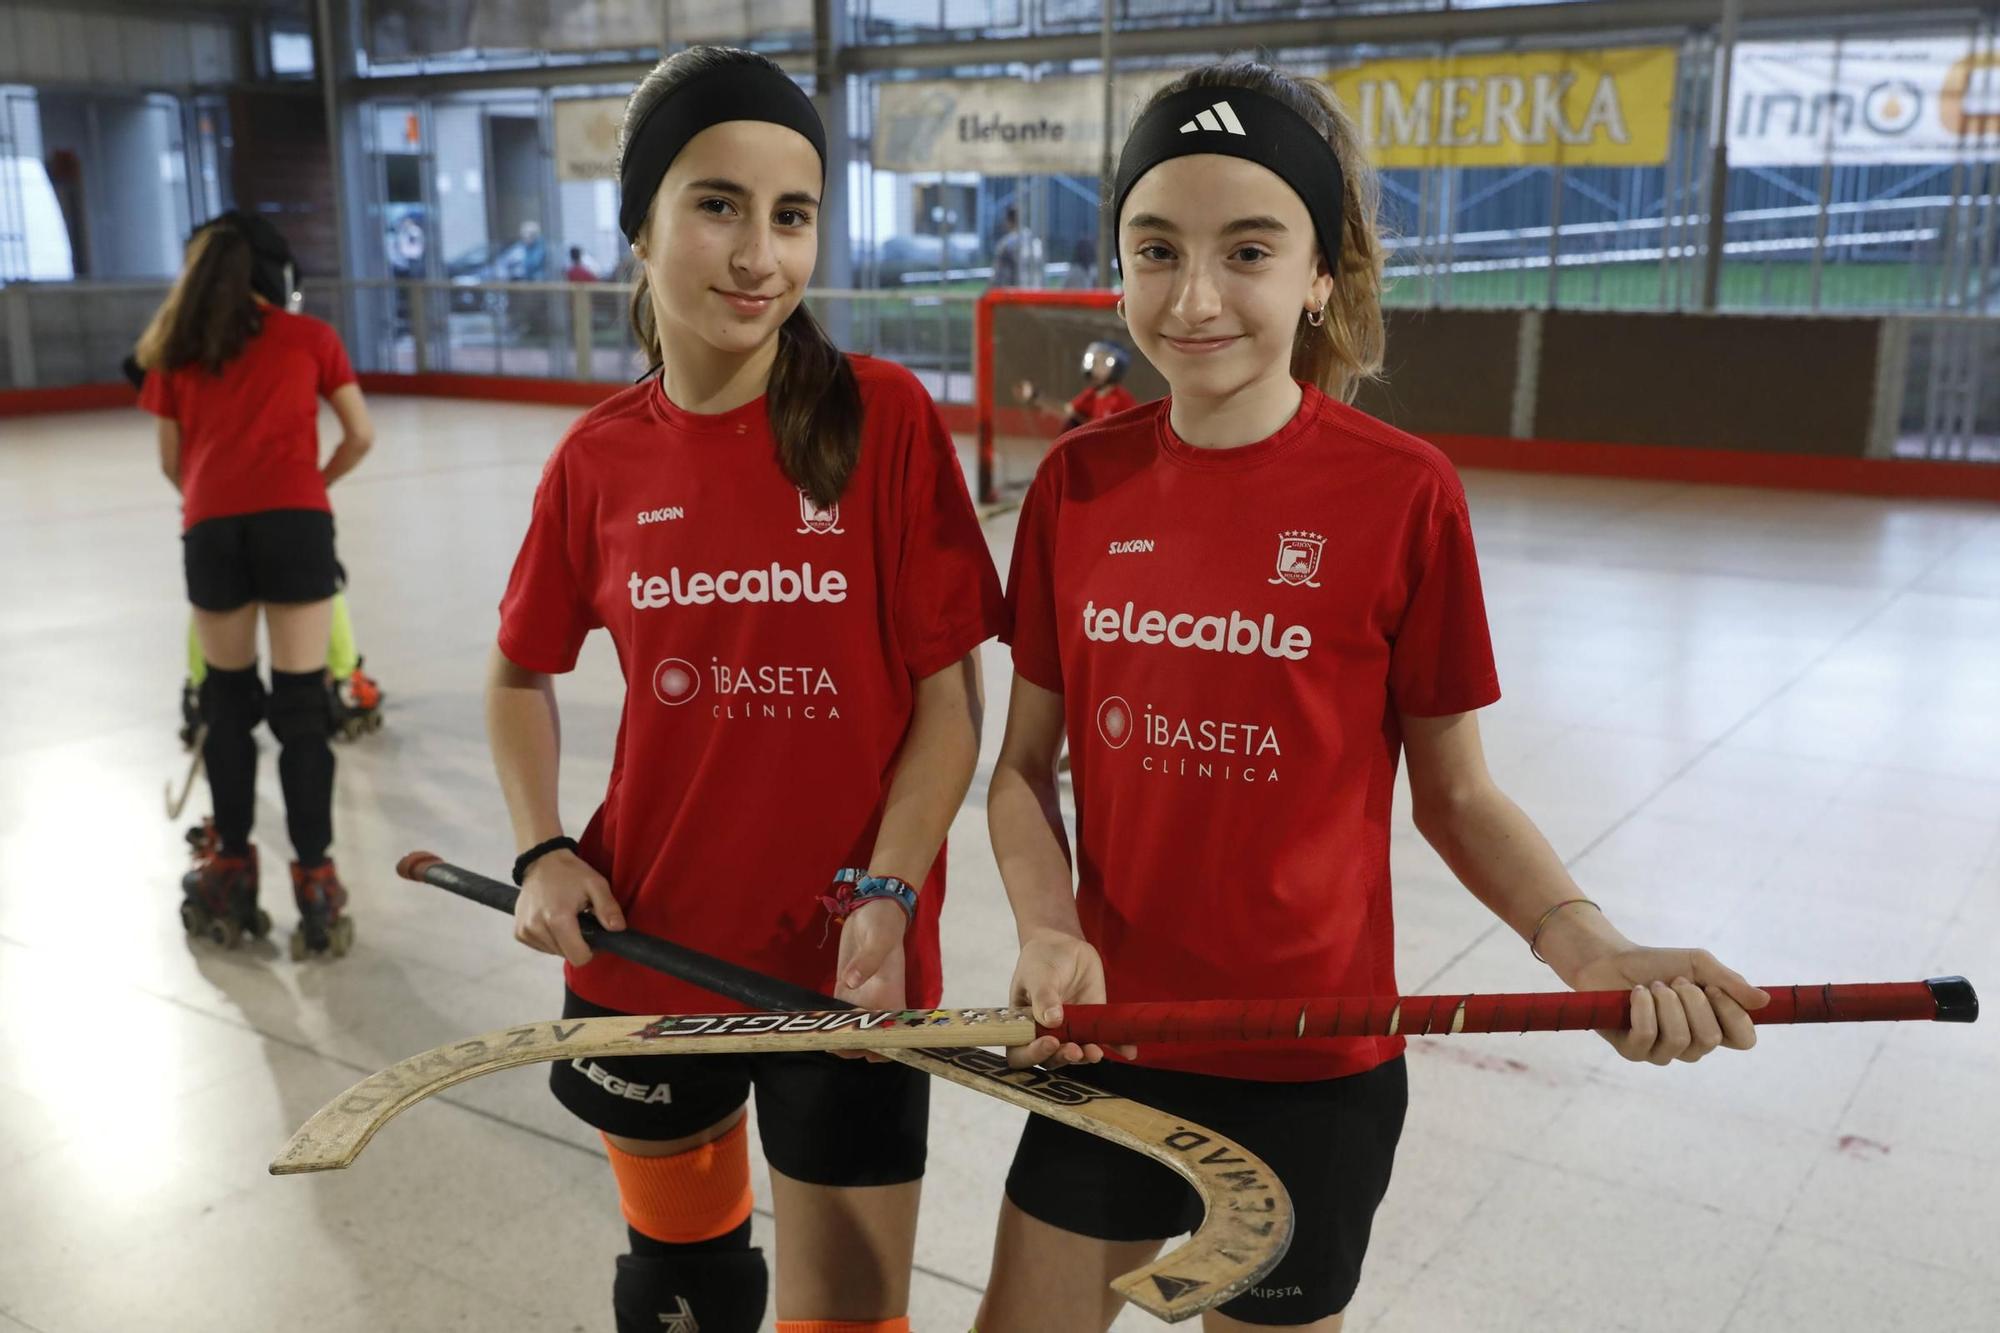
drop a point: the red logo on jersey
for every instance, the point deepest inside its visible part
(1114, 722)
(817, 519)
(1298, 558)
(675, 681)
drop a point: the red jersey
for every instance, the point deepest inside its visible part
(1234, 632)
(1090, 405)
(250, 435)
(771, 651)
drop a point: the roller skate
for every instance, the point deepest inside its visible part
(220, 893)
(190, 715)
(357, 703)
(324, 926)
(202, 840)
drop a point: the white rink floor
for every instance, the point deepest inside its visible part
(1761, 722)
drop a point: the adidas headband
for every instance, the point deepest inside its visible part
(736, 91)
(1237, 122)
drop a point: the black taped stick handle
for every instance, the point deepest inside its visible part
(712, 974)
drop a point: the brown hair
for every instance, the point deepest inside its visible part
(813, 399)
(210, 312)
(1347, 349)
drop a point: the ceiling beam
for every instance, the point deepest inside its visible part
(1510, 23)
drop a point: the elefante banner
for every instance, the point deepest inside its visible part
(587, 137)
(1580, 108)
(1857, 101)
(1003, 127)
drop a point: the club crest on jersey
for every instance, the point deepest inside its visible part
(1298, 558)
(817, 519)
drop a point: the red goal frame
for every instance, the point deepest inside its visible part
(985, 393)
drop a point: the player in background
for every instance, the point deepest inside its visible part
(235, 379)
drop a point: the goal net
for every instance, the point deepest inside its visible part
(1028, 367)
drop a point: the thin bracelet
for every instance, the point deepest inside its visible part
(1535, 940)
(537, 852)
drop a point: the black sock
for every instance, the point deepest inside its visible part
(645, 1247)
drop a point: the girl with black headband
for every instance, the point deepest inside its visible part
(779, 540)
(235, 380)
(1290, 602)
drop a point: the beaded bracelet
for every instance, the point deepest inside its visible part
(852, 888)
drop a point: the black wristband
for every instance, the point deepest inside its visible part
(537, 852)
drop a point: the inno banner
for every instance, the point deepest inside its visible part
(1581, 108)
(1002, 127)
(1921, 100)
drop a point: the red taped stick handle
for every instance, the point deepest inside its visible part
(1944, 999)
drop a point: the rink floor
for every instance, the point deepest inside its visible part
(1761, 722)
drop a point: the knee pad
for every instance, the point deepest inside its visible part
(692, 1196)
(716, 1291)
(231, 701)
(299, 709)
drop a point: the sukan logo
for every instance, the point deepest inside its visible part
(1298, 558)
(819, 520)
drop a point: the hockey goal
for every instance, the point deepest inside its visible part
(1027, 368)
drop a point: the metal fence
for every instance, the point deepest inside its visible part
(61, 334)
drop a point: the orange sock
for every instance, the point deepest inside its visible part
(900, 1324)
(691, 1196)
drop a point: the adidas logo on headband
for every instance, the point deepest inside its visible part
(1220, 118)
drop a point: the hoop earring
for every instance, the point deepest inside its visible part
(1316, 316)
(1120, 307)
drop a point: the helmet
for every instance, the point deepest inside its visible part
(274, 274)
(1108, 354)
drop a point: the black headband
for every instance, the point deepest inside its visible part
(745, 91)
(1237, 122)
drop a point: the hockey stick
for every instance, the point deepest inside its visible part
(176, 804)
(1247, 1215)
(335, 1136)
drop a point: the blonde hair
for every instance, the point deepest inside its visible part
(1347, 349)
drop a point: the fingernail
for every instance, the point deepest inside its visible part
(853, 980)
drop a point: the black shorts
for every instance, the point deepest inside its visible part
(1331, 1143)
(823, 1120)
(279, 555)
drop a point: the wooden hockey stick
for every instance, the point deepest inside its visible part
(335, 1136)
(176, 804)
(1247, 1215)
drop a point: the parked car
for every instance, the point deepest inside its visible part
(483, 263)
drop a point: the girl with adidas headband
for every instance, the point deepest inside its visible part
(1243, 603)
(779, 541)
